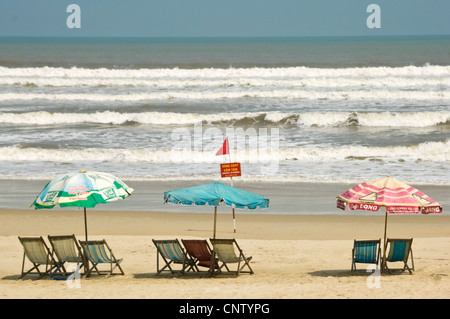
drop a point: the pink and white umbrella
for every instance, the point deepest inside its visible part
(387, 192)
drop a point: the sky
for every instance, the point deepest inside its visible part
(230, 18)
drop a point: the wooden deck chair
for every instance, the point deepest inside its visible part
(38, 253)
(224, 249)
(98, 252)
(67, 250)
(201, 253)
(366, 252)
(172, 253)
(399, 251)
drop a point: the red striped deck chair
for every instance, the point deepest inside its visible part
(200, 251)
(225, 251)
(98, 252)
(366, 252)
(38, 253)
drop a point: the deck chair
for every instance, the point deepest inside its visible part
(200, 252)
(399, 251)
(67, 250)
(365, 252)
(38, 253)
(98, 252)
(224, 249)
(172, 253)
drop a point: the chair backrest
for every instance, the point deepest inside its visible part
(225, 250)
(35, 249)
(399, 249)
(198, 248)
(170, 249)
(66, 248)
(365, 251)
(95, 251)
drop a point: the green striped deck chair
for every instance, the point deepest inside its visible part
(365, 252)
(399, 251)
(67, 250)
(37, 252)
(224, 249)
(98, 252)
(171, 252)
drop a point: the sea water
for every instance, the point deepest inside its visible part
(319, 109)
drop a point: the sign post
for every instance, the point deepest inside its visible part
(229, 170)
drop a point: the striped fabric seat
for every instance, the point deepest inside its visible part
(200, 252)
(366, 252)
(225, 251)
(66, 248)
(171, 252)
(37, 252)
(399, 251)
(98, 252)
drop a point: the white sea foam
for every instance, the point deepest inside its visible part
(308, 119)
(427, 83)
(356, 95)
(427, 151)
(213, 73)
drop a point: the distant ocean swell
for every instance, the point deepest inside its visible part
(252, 88)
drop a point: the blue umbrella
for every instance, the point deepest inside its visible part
(214, 193)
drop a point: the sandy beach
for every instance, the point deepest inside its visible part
(294, 256)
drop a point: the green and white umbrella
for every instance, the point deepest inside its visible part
(83, 189)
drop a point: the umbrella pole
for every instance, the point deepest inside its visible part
(85, 224)
(383, 262)
(215, 220)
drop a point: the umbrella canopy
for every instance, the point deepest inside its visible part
(388, 192)
(214, 193)
(83, 189)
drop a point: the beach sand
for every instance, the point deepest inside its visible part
(294, 256)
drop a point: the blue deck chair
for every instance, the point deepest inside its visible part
(98, 252)
(224, 249)
(38, 253)
(399, 251)
(365, 252)
(67, 250)
(171, 251)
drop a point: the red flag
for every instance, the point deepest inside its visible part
(225, 149)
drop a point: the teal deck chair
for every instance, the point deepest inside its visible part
(171, 252)
(98, 252)
(365, 252)
(226, 254)
(38, 253)
(400, 250)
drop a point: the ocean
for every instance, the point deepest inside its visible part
(295, 110)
